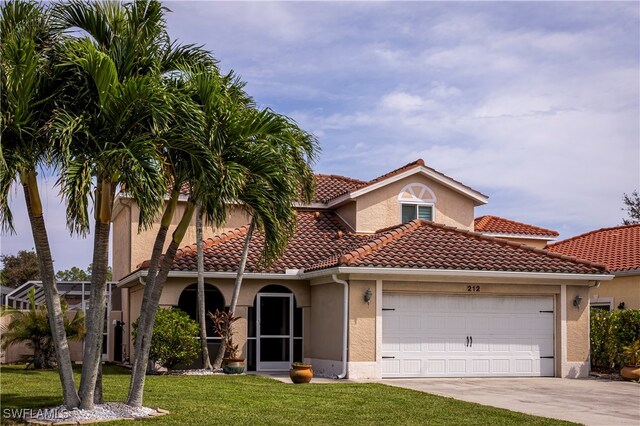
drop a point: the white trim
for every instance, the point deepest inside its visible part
(363, 370)
(471, 193)
(563, 331)
(379, 297)
(381, 271)
(523, 236)
(273, 365)
(315, 206)
(417, 199)
(455, 272)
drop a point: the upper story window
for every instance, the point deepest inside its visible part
(417, 202)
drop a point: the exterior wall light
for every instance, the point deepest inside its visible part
(577, 301)
(367, 295)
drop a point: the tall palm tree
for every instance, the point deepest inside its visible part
(113, 134)
(202, 319)
(28, 48)
(257, 152)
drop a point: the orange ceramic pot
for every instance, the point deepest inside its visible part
(301, 373)
(629, 372)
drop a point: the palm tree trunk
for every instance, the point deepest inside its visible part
(52, 297)
(206, 362)
(92, 357)
(236, 287)
(152, 273)
(143, 341)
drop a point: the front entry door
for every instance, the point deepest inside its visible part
(274, 331)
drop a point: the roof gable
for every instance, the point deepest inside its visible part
(410, 169)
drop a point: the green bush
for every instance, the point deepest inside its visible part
(610, 332)
(174, 340)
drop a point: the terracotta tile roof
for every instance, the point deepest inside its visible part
(505, 226)
(321, 241)
(617, 247)
(319, 236)
(332, 186)
(422, 244)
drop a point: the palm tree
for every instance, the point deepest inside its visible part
(202, 319)
(32, 328)
(257, 152)
(28, 48)
(114, 131)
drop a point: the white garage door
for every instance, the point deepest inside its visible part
(426, 335)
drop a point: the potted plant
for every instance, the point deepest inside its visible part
(232, 363)
(631, 355)
(301, 372)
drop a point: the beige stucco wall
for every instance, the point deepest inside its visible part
(121, 241)
(362, 322)
(325, 330)
(539, 244)
(577, 325)
(348, 213)
(380, 208)
(622, 289)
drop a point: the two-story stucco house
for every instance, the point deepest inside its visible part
(384, 278)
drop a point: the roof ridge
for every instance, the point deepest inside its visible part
(611, 228)
(340, 177)
(504, 242)
(377, 243)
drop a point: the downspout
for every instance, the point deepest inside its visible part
(345, 324)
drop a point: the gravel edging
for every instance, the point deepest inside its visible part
(107, 412)
(196, 372)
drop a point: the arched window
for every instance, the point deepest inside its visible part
(417, 201)
(213, 299)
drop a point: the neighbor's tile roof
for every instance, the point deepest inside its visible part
(505, 226)
(321, 241)
(618, 247)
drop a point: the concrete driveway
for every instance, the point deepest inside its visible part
(587, 401)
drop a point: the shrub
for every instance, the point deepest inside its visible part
(610, 333)
(174, 340)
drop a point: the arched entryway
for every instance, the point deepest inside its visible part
(275, 330)
(213, 299)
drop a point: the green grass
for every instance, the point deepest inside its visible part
(250, 399)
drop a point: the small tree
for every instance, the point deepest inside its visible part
(632, 207)
(20, 268)
(32, 328)
(174, 339)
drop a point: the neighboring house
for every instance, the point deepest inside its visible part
(517, 232)
(383, 278)
(619, 249)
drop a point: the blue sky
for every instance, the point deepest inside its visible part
(535, 104)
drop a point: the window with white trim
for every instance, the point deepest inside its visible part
(417, 201)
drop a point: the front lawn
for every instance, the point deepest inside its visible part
(199, 400)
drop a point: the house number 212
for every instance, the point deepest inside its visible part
(473, 288)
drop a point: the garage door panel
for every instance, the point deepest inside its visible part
(429, 338)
